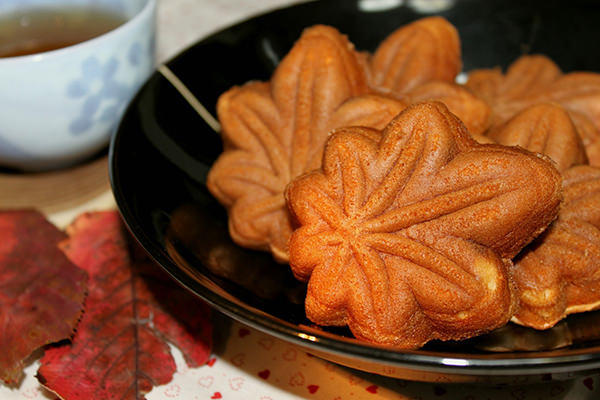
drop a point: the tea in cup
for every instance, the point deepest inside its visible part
(68, 69)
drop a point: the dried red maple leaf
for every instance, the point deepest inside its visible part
(41, 291)
(120, 349)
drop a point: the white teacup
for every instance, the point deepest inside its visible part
(60, 107)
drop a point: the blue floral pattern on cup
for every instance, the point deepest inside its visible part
(79, 93)
(102, 95)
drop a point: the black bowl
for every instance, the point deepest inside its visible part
(163, 150)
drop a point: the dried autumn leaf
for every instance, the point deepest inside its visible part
(425, 50)
(544, 128)
(41, 291)
(405, 236)
(559, 273)
(275, 131)
(120, 349)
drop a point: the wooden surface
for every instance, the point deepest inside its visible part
(55, 191)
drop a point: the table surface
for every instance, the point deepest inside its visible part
(246, 363)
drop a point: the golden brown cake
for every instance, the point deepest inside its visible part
(555, 274)
(425, 50)
(274, 131)
(482, 139)
(406, 234)
(590, 136)
(544, 128)
(470, 109)
(536, 79)
(527, 75)
(559, 273)
(419, 62)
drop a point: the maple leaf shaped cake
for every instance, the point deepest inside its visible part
(473, 111)
(274, 131)
(544, 128)
(537, 79)
(419, 62)
(559, 273)
(406, 235)
(427, 49)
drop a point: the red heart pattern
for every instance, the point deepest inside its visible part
(264, 374)
(312, 389)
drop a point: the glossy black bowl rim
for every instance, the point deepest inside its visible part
(428, 361)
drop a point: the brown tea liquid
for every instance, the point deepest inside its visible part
(38, 30)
